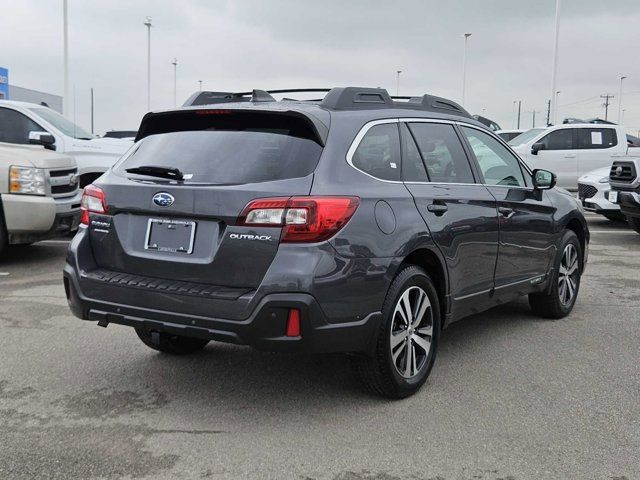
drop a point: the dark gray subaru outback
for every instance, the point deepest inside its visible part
(357, 223)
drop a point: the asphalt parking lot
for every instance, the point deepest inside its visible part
(511, 396)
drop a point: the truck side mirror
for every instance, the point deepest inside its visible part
(42, 138)
(543, 179)
(536, 147)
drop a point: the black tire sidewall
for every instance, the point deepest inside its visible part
(409, 277)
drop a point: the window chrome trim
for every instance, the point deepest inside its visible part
(367, 126)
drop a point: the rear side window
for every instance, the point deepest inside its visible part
(559, 140)
(378, 153)
(442, 153)
(590, 138)
(231, 148)
(412, 166)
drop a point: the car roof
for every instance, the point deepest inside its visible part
(16, 103)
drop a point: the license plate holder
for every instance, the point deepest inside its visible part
(172, 236)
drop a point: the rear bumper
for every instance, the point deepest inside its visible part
(335, 316)
(264, 329)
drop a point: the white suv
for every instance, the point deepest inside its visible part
(25, 123)
(571, 150)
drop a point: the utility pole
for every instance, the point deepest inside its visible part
(606, 104)
(148, 24)
(554, 68)
(91, 109)
(464, 68)
(65, 38)
(548, 113)
(175, 81)
(519, 107)
(533, 119)
(398, 72)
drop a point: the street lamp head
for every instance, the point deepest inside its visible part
(467, 35)
(148, 22)
(175, 62)
(622, 77)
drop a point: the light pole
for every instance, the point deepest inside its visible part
(398, 72)
(620, 101)
(556, 98)
(554, 68)
(464, 68)
(175, 81)
(519, 102)
(200, 82)
(65, 38)
(148, 25)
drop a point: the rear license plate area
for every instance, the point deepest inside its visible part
(173, 236)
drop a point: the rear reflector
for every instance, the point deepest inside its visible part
(293, 323)
(305, 219)
(93, 201)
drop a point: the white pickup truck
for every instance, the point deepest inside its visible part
(571, 150)
(39, 194)
(29, 123)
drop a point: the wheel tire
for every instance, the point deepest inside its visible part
(557, 302)
(634, 222)
(173, 344)
(379, 372)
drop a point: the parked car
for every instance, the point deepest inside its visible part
(508, 135)
(29, 123)
(592, 192)
(39, 196)
(625, 189)
(351, 224)
(572, 150)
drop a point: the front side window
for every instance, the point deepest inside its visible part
(442, 153)
(559, 140)
(525, 137)
(15, 126)
(378, 153)
(596, 138)
(67, 127)
(497, 164)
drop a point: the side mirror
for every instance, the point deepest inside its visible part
(536, 147)
(544, 179)
(42, 138)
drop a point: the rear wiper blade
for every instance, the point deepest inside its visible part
(155, 171)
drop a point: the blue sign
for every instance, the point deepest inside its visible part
(4, 83)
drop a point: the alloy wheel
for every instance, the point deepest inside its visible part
(568, 275)
(411, 332)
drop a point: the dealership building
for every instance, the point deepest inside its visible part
(13, 92)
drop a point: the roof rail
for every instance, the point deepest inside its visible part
(338, 98)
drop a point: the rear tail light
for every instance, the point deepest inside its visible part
(304, 219)
(93, 201)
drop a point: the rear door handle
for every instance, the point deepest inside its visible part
(437, 208)
(506, 212)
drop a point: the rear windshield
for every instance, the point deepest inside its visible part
(229, 148)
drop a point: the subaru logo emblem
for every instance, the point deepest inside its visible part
(163, 199)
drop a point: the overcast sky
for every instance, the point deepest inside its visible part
(239, 45)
